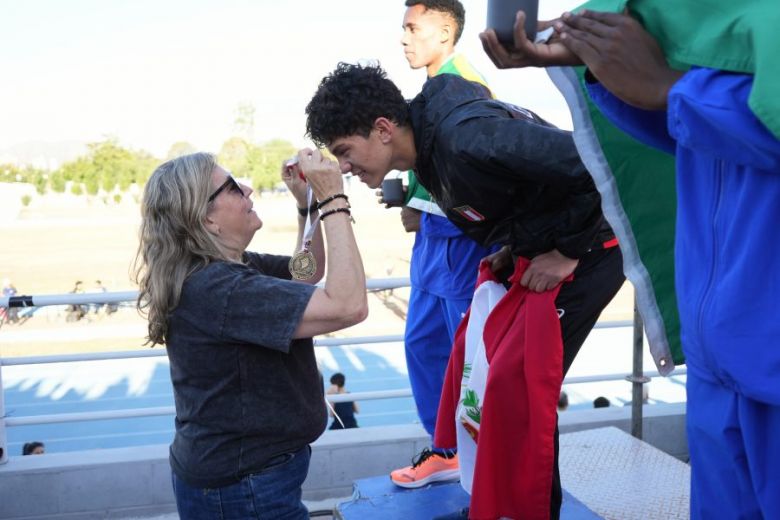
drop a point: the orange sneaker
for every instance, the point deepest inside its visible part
(428, 467)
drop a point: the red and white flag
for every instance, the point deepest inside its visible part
(506, 371)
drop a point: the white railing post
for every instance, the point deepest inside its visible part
(3, 439)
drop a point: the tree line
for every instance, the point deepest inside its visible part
(110, 168)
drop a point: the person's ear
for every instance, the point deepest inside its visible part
(445, 33)
(211, 226)
(385, 129)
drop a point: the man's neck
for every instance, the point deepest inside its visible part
(405, 153)
(433, 68)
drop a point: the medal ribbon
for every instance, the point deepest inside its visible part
(311, 227)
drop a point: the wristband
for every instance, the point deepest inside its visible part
(307, 211)
(331, 199)
(337, 210)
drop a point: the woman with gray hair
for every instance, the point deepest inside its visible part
(238, 330)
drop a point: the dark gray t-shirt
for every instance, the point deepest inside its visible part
(245, 391)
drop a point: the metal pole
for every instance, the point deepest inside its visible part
(637, 377)
(3, 439)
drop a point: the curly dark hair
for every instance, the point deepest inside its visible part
(451, 7)
(349, 100)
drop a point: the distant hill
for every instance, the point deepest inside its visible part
(42, 154)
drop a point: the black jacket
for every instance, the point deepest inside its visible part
(502, 174)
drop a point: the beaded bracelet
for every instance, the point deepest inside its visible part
(331, 199)
(308, 211)
(337, 210)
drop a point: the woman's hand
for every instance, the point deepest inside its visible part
(525, 52)
(291, 175)
(322, 174)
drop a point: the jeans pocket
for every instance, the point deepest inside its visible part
(277, 462)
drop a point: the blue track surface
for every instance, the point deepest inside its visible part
(138, 383)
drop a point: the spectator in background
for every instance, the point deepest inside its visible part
(343, 413)
(98, 289)
(601, 402)
(563, 401)
(12, 313)
(33, 448)
(74, 312)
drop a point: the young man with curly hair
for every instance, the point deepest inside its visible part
(499, 173)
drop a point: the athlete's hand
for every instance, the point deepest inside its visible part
(499, 260)
(622, 55)
(526, 53)
(410, 218)
(547, 271)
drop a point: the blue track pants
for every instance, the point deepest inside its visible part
(734, 444)
(430, 329)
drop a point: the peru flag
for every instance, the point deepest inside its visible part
(523, 352)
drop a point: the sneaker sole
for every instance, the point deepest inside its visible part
(439, 476)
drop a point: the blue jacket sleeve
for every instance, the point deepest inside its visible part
(646, 126)
(709, 114)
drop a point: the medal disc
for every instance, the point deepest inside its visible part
(302, 265)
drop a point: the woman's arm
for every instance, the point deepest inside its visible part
(342, 301)
(298, 188)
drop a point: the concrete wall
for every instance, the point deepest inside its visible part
(127, 482)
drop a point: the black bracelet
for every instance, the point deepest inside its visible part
(337, 210)
(331, 199)
(308, 211)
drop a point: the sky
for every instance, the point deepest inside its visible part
(154, 72)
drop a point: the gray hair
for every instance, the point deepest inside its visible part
(174, 241)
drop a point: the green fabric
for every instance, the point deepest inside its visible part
(733, 35)
(637, 186)
(637, 183)
(416, 196)
(645, 180)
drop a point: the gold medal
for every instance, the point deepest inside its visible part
(302, 265)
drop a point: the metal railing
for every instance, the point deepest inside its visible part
(637, 378)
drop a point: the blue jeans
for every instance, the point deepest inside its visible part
(274, 493)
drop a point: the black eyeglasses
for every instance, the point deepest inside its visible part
(231, 184)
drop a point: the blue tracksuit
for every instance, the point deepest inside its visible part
(727, 258)
(443, 273)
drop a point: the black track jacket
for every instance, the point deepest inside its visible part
(502, 174)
